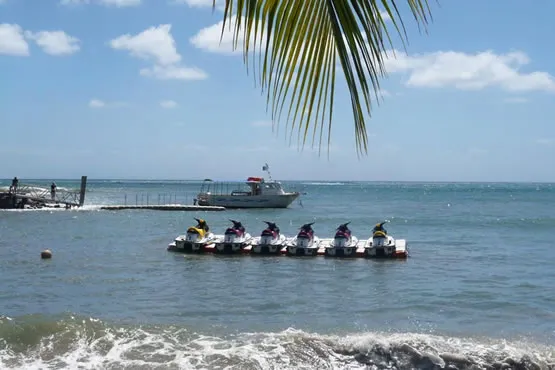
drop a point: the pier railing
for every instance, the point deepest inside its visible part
(151, 199)
(43, 195)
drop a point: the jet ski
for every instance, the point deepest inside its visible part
(235, 239)
(305, 243)
(343, 244)
(196, 238)
(270, 241)
(382, 245)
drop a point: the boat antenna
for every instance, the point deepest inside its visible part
(267, 169)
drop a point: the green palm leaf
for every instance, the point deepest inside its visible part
(300, 43)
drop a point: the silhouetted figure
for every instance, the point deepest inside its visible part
(53, 190)
(15, 183)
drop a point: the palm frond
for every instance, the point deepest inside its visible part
(300, 42)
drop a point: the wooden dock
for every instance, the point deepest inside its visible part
(166, 207)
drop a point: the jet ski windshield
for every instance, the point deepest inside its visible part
(343, 231)
(201, 224)
(271, 230)
(306, 231)
(271, 225)
(237, 228)
(379, 229)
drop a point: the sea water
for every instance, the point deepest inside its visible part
(477, 291)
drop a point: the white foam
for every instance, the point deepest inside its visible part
(174, 348)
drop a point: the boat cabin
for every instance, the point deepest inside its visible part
(253, 186)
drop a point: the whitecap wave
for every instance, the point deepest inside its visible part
(90, 344)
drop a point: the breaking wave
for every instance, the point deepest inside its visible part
(35, 342)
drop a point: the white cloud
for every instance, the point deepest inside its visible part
(464, 71)
(54, 42)
(12, 41)
(470, 71)
(168, 104)
(156, 44)
(210, 39)
(115, 3)
(96, 103)
(153, 43)
(174, 73)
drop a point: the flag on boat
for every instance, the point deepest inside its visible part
(265, 167)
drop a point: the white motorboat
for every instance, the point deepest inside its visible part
(235, 239)
(305, 243)
(270, 241)
(196, 239)
(256, 192)
(382, 245)
(343, 244)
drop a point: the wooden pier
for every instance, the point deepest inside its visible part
(39, 196)
(164, 207)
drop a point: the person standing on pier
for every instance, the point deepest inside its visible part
(53, 190)
(15, 182)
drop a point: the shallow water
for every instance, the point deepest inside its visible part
(479, 282)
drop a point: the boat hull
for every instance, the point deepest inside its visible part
(247, 201)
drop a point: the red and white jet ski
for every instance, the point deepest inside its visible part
(343, 244)
(270, 241)
(305, 243)
(235, 239)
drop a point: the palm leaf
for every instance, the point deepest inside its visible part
(300, 42)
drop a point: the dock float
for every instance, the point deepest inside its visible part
(167, 207)
(360, 252)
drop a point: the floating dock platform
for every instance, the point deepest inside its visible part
(25, 196)
(166, 207)
(400, 253)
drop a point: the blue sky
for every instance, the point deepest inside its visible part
(143, 89)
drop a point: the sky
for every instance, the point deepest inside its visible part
(144, 89)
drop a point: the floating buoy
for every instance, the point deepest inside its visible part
(47, 253)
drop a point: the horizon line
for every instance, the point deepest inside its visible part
(297, 180)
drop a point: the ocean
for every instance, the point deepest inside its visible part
(477, 292)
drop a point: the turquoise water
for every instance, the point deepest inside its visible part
(479, 282)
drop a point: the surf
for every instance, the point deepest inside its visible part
(70, 341)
